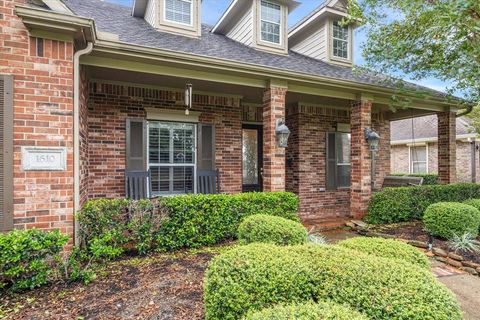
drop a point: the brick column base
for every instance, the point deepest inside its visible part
(361, 118)
(273, 156)
(447, 155)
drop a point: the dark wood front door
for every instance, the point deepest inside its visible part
(252, 157)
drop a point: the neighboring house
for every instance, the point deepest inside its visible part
(90, 90)
(415, 147)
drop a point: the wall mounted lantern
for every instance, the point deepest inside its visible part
(188, 98)
(282, 132)
(373, 140)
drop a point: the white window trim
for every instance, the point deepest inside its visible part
(194, 165)
(177, 22)
(280, 43)
(410, 166)
(348, 58)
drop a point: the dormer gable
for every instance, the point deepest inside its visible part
(181, 17)
(260, 24)
(321, 36)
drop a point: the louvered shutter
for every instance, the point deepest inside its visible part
(206, 147)
(136, 145)
(6, 156)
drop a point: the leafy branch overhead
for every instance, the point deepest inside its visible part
(435, 38)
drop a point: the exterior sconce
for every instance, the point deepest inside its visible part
(282, 132)
(188, 98)
(372, 138)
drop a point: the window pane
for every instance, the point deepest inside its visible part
(182, 179)
(340, 40)
(419, 167)
(419, 154)
(343, 176)
(179, 11)
(270, 22)
(343, 148)
(160, 179)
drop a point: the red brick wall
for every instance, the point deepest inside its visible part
(446, 147)
(383, 154)
(43, 116)
(111, 104)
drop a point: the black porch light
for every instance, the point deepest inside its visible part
(282, 132)
(372, 138)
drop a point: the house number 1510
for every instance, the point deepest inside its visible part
(45, 158)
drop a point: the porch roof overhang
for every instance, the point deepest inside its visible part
(112, 53)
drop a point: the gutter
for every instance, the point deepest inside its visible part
(464, 113)
(76, 135)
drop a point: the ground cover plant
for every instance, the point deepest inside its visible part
(447, 219)
(257, 276)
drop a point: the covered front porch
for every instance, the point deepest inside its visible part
(137, 120)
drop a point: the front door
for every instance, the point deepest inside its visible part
(252, 157)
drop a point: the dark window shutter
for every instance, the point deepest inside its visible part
(136, 145)
(331, 161)
(206, 147)
(6, 156)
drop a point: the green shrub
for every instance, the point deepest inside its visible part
(271, 229)
(428, 178)
(198, 220)
(473, 202)
(257, 276)
(27, 257)
(387, 248)
(446, 219)
(391, 205)
(307, 311)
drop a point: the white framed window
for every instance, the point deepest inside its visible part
(419, 159)
(340, 40)
(339, 166)
(172, 158)
(179, 11)
(270, 22)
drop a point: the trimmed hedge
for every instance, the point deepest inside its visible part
(169, 223)
(391, 205)
(473, 202)
(271, 229)
(307, 311)
(256, 276)
(27, 257)
(428, 178)
(387, 248)
(446, 219)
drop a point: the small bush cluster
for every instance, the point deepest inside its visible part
(428, 178)
(271, 229)
(28, 257)
(257, 276)
(392, 205)
(473, 202)
(306, 311)
(446, 219)
(387, 248)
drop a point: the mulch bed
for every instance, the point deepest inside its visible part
(415, 231)
(160, 287)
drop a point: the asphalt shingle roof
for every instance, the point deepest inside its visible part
(117, 19)
(424, 127)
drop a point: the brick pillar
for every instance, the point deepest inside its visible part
(446, 147)
(360, 192)
(273, 156)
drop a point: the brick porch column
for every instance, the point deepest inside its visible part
(360, 191)
(447, 154)
(273, 156)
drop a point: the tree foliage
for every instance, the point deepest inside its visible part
(425, 38)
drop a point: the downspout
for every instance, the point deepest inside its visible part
(464, 113)
(76, 135)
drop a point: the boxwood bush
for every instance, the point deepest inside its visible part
(271, 229)
(27, 257)
(428, 178)
(387, 248)
(391, 205)
(307, 311)
(473, 202)
(257, 276)
(446, 219)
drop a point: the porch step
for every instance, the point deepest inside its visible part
(322, 224)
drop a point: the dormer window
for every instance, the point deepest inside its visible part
(179, 11)
(340, 40)
(271, 16)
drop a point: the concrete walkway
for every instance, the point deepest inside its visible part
(465, 286)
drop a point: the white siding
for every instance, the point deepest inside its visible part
(151, 13)
(243, 30)
(313, 45)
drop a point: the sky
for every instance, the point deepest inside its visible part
(213, 9)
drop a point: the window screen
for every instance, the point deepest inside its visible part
(340, 40)
(338, 160)
(179, 11)
(270, 22)
(418, 160)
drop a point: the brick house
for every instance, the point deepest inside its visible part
(414, 147)
(90, 89)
